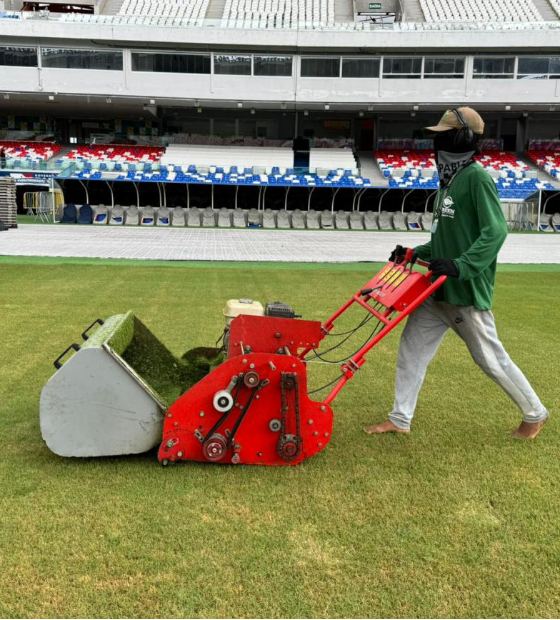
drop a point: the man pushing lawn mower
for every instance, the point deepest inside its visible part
(468, 231)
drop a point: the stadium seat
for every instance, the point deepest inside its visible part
(147, 216)
(132, 216)
(426, 220)
(371, 220)
(327, 219)
(342, 220)
(555, 222)
(386, 221)
(312, 219)
(224, 218)
(269, 219)
(208, 217)
(298, 221)
(253, 218)
(399, 221)
(239, 218)
(482, 10)
(413, 221)
(283, 219)
(117, 216)
(85, 215)
(356, 220)
(545, 224)
(100, 215)
(178, 217)
(194, 218)
(69, 214)
(163, 217)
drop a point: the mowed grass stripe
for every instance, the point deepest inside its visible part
(457, 519)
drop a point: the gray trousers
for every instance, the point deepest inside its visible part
(420, 340)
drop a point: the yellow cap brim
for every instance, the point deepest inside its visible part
(440, 127)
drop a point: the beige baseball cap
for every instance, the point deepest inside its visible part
(450, 121)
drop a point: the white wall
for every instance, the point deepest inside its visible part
(260, 89)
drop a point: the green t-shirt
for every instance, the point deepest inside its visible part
(469, 228)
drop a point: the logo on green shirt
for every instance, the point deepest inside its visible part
(448, 210)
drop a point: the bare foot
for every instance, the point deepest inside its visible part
(529, 430)
(384, 427)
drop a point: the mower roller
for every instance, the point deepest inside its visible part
(123, 392)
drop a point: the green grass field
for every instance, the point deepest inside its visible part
(456, 520)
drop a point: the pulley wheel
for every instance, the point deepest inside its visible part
(223, 401)
(275, 425)
(215, 448)
(251, 379)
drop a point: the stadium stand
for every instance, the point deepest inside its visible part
(326, 160)
(278, 13)
(114, 154)
(28, 152)
(417, 170)
(549, 161)
(237, 157)
(197, 164)
(174, 12)
(480, 10)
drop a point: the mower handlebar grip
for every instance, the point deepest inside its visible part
(97, 321)
(57, 363)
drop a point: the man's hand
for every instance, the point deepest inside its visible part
(444, 267)
(398, 254)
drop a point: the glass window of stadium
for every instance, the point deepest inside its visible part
(320, 67)
(400, 67)
(554, 69)
(18, 56)
(278, 66)
(442, 67)
(493, 68)
(171, 63)
(538, 68)
(55, 58)
(360, 67)
(232, 64)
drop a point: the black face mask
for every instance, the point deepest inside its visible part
(444, 141)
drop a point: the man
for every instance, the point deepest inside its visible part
(468, 231)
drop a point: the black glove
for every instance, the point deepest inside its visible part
(444, 267)
(398, 254)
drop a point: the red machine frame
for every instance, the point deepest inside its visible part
(254, 408)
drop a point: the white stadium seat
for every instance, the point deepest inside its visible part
(481, 10)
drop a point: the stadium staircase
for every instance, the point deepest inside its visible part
(413, 11)
(343, 11)
(370, 169)
(64, 151)
(112, 7)
(215, 9)
(545, 9)
(542, 175)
